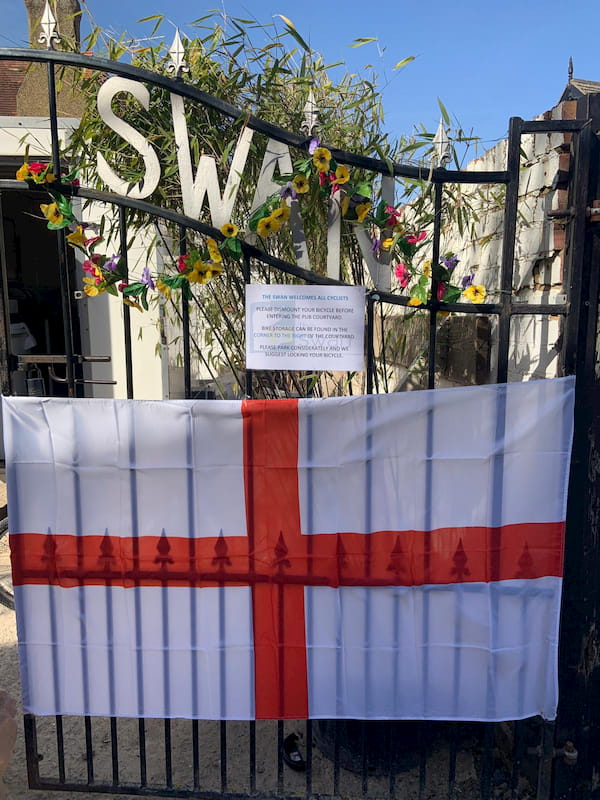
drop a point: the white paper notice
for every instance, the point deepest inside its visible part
(305, 327)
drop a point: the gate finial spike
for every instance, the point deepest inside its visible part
(311, 115)
(441, 146)
(48, 36)
(570, 69)
(177, 53)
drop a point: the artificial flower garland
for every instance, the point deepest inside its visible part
(105, 273)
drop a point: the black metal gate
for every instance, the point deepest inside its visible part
(525, 758)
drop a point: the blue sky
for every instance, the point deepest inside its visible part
(486, 61)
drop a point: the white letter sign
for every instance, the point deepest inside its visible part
(206, 182)
(150, 181)
(305, 327)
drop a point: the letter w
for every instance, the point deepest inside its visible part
(206, 182)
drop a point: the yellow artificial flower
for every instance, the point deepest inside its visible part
(427, 268)
(77, 238)
(342, 174)
(51, 212)
(23, 172)
(229, 230)
(345, 205)
(476, 294)
(91, 287)
(50, 178)
(321, 159)
(214, 271)
(387, 243)
(213, 251)
(204, 272)
(414, 301)
(133, 304)
(267, 226)
(300, 184)
(163, 288)
(197, 273)
(362, 209)
(281, 214)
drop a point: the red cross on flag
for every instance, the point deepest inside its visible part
(385, 557)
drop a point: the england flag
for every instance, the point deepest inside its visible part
(379, 557)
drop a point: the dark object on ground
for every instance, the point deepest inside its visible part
(291, 755)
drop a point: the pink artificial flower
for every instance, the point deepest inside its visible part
(325, 178)
(416, 238)
(403, 274)
(441, 291)
(183, 263)
(121, 286)
(394, 217)
(37, 167)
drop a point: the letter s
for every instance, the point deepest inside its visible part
(152, 176)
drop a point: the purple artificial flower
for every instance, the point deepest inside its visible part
(287, 190)
(375, 245)
(467, 280)
(314, 143)
(112, 263)
(450, 263)
(147, 278)
(83, 225)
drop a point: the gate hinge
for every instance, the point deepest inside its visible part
(561, 213)
(593, 214)
(568, 753)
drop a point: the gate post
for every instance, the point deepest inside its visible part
(579, 656)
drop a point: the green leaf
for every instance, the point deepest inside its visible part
(235, 246)
(134, 289)
(404, 62)
(363, 40)
(261, 211)
(420, 292)
(144, 298)
(186, 290)
(445, 114)
(112, 289)
(291, 29)
(364, 189)
(452, 294)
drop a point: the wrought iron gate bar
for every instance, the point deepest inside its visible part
(508, 245)
(554, 125)
(126, 310)
(63, 266)
(185, 320)
(89, 761)
(433, 304)
(176, 86)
